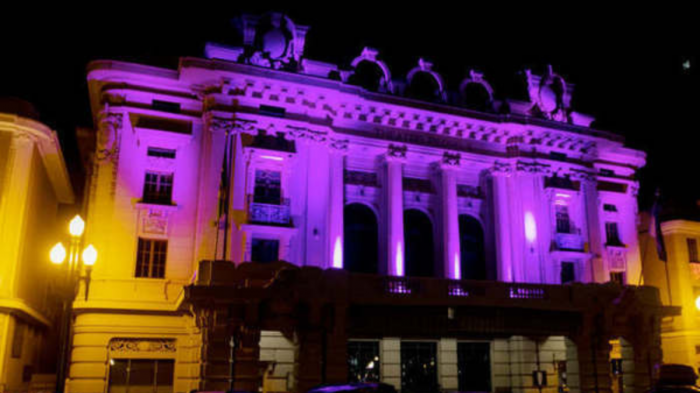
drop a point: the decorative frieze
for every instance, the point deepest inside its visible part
(306, 134)
(154, 221)
(142, 345)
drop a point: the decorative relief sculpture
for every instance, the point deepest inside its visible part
(155, 221)
(108, 135)
(451, 159)
(142, 345)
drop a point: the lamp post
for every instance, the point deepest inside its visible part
(69, 283)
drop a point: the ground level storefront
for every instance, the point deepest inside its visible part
(279, 328)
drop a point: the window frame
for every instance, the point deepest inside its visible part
(127, 387)
(693, 256)
(613, 240)
(150, 255)
(162, 193)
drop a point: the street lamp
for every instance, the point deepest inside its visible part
(70, 287)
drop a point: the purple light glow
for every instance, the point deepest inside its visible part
(399, 260)
(398, 287)
(273, 158)
(530, 227)
(457, 268)
(456, 290)
(338, 254)
(526, 293)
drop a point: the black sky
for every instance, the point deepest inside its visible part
(623, 73)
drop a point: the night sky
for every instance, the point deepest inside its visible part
(623, 74)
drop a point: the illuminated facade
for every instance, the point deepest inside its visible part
(428, 227)
(680, 334)
(33, 182)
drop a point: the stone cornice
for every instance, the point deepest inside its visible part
(49, 148)
(14, 305)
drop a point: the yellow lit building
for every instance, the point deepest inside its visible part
(680, 334)
(33, 182)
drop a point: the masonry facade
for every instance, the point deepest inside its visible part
(387, 199)
(33, 183)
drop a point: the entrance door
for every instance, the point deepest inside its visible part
(474, 364)
(419, 367)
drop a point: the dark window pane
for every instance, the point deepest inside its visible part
(118, 376)
(18, 339)
(474, 367)
(142, 376)
(419, 367)
(268, 187)
(692, 250)
(265, 250)
(363, 361)
(158, 188)
(568, 272)
(165, 375)
(151, 258)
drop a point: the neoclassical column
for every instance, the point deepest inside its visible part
(595, 271)
(338, 150)
(13, 207)
(103, 187)
(394, 161)
(450, 216)
(500, 201)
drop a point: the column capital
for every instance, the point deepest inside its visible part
(339, 146)
(396, 153)
(450, 161)
(501, 169)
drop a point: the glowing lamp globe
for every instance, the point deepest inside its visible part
(697, 303)
(76, 227)
(57, 254)
(90, 256)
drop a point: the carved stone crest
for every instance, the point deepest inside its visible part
(451, 159)
(142, 345)
(397, 151)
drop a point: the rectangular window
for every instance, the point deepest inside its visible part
(268, 187)
(692, 250)
(158, 188)
(18, 339)
(612, 234)
(151, 257)
(568, 272)
(617, 278)
(265, 250)
(474, 367)
(563, 222)
(363, 361)
(419, 367)
(161, 153)
(166, 106)
(132, 375)
(610, 208)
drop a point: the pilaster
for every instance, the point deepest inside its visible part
(394, 161)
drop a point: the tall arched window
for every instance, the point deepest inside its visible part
(361, 244)
(471, 243)
(419, 245)
(368, 75)
(424, 86)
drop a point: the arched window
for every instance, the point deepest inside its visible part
(424, 86)
(361, 244)
(368, 75)
(471, 243)
(419, 245)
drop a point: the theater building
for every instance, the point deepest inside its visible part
(271, 222)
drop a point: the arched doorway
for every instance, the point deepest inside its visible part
(471, 243)
(419, 245)
(360, 249)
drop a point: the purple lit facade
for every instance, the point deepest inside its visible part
(258, 154)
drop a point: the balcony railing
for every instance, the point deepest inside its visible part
(568, 242)
(270, 214)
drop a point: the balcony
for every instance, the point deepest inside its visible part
(568, 242)
(269, 214)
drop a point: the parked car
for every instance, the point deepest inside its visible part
(675, 378)
(359, 387)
